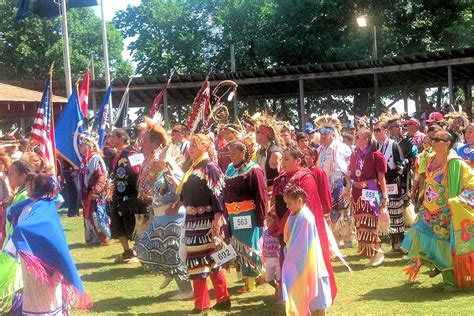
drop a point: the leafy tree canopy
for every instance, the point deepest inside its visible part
(28, 47)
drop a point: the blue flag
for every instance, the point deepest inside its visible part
(103, 116)
(68, 130)
(48, 8)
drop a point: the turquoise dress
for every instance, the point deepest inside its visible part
(245, 197)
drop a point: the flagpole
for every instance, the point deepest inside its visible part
(106, 59)
(67, 63)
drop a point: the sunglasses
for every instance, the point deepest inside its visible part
(359, 137)
(378, 130)
(437, 140)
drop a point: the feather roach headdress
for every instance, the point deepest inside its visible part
(329, 123)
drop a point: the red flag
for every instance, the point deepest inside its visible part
(84, 95)
(157, 101)
(42, 131)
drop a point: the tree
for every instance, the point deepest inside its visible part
(168, 35)
(195, 35)
(28, 47)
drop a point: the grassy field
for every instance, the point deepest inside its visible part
(126, 289)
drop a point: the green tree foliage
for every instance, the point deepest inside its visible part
(195, 35)
(28, 47)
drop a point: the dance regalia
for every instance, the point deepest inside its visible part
(441, 236)
(201, 195)
(11, 281)
(466, 153)
(161, 249)
(301, 272)
(334, 160)
(149, 172)
(93, 177)
(409, 152)
(393, 178)
(245, 195)
(263, 159)
(223, 158)
(51, 282)
(312, 185)
(363, 168)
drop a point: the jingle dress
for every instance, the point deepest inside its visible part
(245, 195)
(363, 168)
(93, 177)
(442, 235)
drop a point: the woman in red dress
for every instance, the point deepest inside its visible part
(369, 194)
(317, 189)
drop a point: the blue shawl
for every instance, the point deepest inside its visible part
(42, 244)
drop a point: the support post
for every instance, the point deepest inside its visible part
(301, 101)
(376, 79)
(450, 86)
(405, 99)
(233, 68)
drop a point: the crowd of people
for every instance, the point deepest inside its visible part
(280, 203)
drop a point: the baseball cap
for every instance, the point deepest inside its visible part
(435, 117)
(413, 121)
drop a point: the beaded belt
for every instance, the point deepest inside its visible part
(198, 209)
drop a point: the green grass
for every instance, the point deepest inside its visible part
(126, 289)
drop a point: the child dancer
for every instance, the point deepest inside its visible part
(271, 254)
(303, 266)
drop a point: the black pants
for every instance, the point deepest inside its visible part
(71, 195)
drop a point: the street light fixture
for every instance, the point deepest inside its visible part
(363, 21)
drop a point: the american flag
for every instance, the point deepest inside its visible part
(42, 131)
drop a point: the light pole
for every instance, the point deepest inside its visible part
(362, 22)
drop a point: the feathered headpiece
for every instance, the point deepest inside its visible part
(267, 125)
(91, 140)
(328, 123)
(452, 116)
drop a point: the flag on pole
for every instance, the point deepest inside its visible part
(69, 128)
(122, 116)
(84, 95)
(48, 8)
(155, 106)
(42, 131)
(103, 116)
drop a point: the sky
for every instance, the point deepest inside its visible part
(112, 6)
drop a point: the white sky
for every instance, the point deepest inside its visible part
(112, 6)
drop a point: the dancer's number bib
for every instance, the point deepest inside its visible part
(224, 255)
(369, 195)
(243, 222)
(136, 160)
(392, 189)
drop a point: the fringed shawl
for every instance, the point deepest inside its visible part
(41, 243)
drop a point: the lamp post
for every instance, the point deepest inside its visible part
(362, 22)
